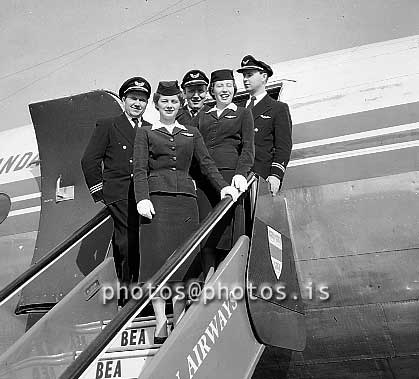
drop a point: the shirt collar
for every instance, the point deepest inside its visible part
(231, 106)
(159, 125)
(140, 120)
(258, 98)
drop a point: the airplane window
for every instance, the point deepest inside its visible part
(5, 205)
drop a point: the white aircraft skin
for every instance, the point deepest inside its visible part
(19, 180)
(20, 201)
(368, 86)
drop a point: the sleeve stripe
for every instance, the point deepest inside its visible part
(278, 165)
(96, 188)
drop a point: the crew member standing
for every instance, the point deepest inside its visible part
(165, 193)
(228, 134)
(273, 126)
(107, 165)
(195, 88)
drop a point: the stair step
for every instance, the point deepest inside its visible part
(134, 338)
(128, 354)
(127, 365)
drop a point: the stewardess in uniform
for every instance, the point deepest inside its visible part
(108, 168)
(273, 126)
(229, 136)
(195, 89)
(165, 193)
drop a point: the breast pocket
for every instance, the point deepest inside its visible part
(185, 144)
(263, 129)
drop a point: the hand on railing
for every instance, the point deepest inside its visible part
(230, 190)
(274, 184)
(240, 182)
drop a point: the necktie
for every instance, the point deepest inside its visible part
(252, 103)
(194, 112)
(135, 120)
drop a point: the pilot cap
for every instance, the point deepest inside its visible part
(194, 77)
(224, 74)
(250, 63)
(168, 88)
(136, 83)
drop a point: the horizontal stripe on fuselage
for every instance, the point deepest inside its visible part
(353, 153)
(25, 206)
(34, 195)
(21, 187)
(353, 167)
(390, 131)
(378, 145)
(23, 211)
(356, 122)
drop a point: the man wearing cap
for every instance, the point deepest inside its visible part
(272, 121)
(195, 88)
(107, 165)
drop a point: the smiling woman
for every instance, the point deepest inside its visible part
(165, 192)
(5, 204)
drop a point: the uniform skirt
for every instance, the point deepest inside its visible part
(175, 220)
(231, 225)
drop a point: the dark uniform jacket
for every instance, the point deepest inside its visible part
(184, 117)
(162, 161)
(229, 138)
(111, 146)
(273, 141)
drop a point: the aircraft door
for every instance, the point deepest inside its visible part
(273, 293)
(63, 128)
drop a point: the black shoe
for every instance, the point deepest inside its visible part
(159, 340)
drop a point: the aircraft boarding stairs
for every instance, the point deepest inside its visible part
(223, 337)
(70, 332)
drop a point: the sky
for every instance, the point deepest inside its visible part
(52, 49)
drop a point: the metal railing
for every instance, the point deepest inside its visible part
(54, 255)
(158, 280)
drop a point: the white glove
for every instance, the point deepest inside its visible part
(274, 184)
(145, 208)
(240, 182)
(230, 190)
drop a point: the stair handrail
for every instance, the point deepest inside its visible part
(52, 256)
(157, 281)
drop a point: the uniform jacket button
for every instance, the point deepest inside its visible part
(132, 175)
(124, 147)
(173, 168)
(172, 147)
(130, 161)
(174, 158)
(171, 139)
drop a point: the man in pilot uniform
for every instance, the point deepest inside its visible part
(273, 126)
(195, 88)
(107, 165)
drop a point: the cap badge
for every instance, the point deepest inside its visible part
(139, 84)
(245, 62)
(195, 75)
